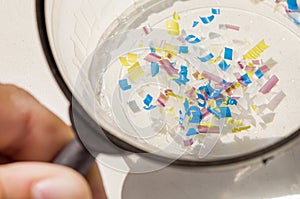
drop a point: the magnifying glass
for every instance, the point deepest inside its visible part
(183, 82)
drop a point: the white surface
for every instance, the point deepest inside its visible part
(22, 62)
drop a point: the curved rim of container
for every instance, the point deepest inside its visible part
(263, 153)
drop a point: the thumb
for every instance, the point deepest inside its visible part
(41, 181)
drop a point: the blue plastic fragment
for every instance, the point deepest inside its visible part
(224, 65)
(211, 92)
(201, 97)
(181, 118)
(232, 101)
(246, 80)
(154, 68)
(259, 74)
(214, 112)
(192, 131)
(292, 5)
(124, 84)
(225, 112)
(196, 115)
(195, 23)
(219, 102)
(148, 108)
(182, 80)
(206, 58)
(183, 49)
(215, 11)
(207, 20)
(152, 50)
(192, 39)
(148, 99)
(228, 53)
(186, 105)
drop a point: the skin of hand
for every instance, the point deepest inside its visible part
(31, 137)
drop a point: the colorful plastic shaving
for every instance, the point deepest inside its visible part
(207, 20)
(192, 39)
(224, 65)
(256, 51)
(182, 80)
(216, 11)
(124, 61)
(195, 23)
(172, 27)
(154, 69)
(212, 77)
(229, 26)
(152, 57)
(168, 67)
(133, 106)
(196, 114)
(189, 142)
(183, 49)
(192, 131)
(133, 58)
(206, 58)
(206, 129)
(292, 5)
(147, 29)
(267, 87)
(176, 16)
(162, 100)
(228, 53)
(135, 71)
(147, 101)
(124, 84)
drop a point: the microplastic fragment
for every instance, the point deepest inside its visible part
(213, 35)
(232, 27)
(135, 71)
(162, 100)
(292, 5)
(256, 51)
(205, 129)
(228, 53)
(206, 58)
(191, 132)
(133, 106)
(195, 23)
(267, 87)
(264, 69)
(182, 80)
(223, 65)
(183, 49)
(168, 67)
(133, 58)
(259, 74)
(270, 63)
(212, 77)
(196, 115)
(124, 61)
(148, 99)
(152, 57)
(189, 142)
(273, 104)
(207, 20)
(124, 84)
(154, 69)
(192, 39)
(172, 28)
(201, 97)
(240, 129)
(216, 11)
(147, 29)
(176, 16)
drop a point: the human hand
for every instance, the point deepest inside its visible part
(31, 137)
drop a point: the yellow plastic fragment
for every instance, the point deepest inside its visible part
(256, 51)
(230, 121)
(172, 28)
(240, 129)
(124, 61)
(250, 73)
(174, 95)
(135, 71)
(176, 16)
(197, 75)
(133, 58)
(171, 111)
(254, 108)
(212, 104)
(208, 124)
(213, 61)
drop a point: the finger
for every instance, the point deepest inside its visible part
(94, 179)
(41, 181)
(29, 131)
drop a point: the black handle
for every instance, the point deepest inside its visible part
(75, 156)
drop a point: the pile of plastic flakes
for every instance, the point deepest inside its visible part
(239, 95)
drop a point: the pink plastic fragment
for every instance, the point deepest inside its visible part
(168, 67)
(147, 29)
(205, 129)
(257, 62)
(249, 68)
(162, 100)
(241, 65)
(267, 87)
(151, 57)
(212, 77)
(189, 142)
(264, 69)
(204, 112)
(191, 92)
(232, 27)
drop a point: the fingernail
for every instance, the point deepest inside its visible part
(57, 188)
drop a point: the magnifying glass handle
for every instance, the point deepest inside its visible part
(75, 156)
